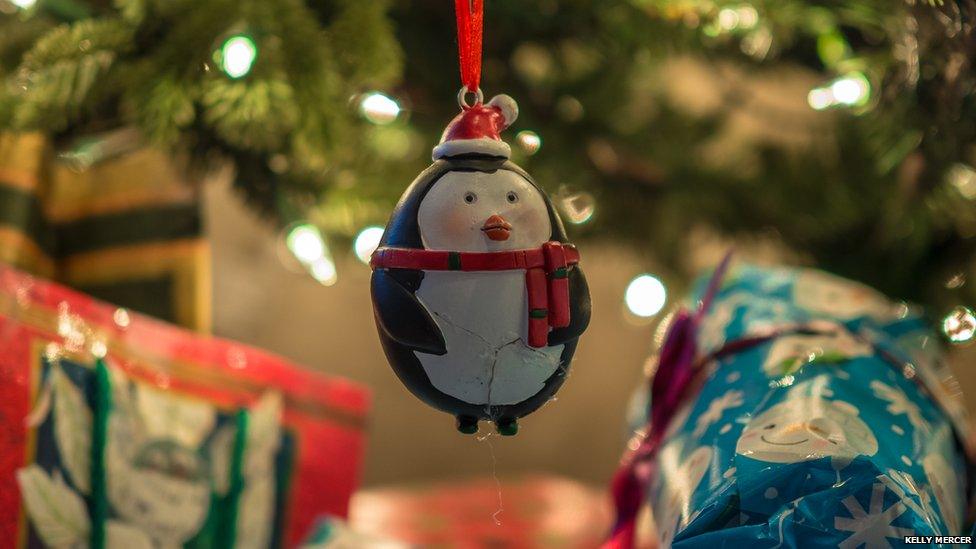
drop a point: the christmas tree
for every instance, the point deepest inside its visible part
(632, 113)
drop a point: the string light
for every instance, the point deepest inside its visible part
(851, 90)
(955, 281)
(960, 325)
(645, 295)
(748, 16)
(820, 98)
(379, 108)
(963, 178)
(324, 271)
(578, 207)
(306, 243)
(366, 242)
(529, 141)
(728, 19)
(237, 55)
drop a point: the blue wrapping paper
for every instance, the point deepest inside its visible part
(843, 429)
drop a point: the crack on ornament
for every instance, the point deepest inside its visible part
(491, 381)
(496, 363)
(455, 325)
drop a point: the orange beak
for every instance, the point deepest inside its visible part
(496, 228)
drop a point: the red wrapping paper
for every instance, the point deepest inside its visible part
(327, 415)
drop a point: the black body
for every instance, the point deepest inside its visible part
(405, 326)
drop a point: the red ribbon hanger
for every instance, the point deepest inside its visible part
(470, 19)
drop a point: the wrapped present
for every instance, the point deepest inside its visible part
(109, 216)
(795, 409)
(117, 430)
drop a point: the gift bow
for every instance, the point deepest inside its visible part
(670, 386)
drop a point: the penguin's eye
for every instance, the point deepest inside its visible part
(470, 197)
(512, 197)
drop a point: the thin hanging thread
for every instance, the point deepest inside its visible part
(486, 438)
(470, 19)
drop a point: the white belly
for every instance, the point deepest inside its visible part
(484, 319)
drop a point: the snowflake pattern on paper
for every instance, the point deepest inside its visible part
(899, 404)
(731, 399)
(871, 527)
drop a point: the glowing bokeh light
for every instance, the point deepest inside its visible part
(645, 295)
(379, 108)
(366, 242)
(324, 271)
(851, 90)
(820, 98)
(578, 207)
(306, 243)
(728, 19)
(960, 325)
(748, 16)
(237, 55)
(529, 141)
(23, 4)
(963, 178)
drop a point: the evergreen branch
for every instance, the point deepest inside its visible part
(72, 42)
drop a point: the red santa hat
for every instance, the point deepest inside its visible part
(477, 130)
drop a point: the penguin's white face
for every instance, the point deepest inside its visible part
(483, 212)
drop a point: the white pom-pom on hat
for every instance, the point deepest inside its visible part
(507, 105)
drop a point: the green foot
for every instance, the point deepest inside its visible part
(507, 427)
(467, 425)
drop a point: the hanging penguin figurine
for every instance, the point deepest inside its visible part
(479, 298)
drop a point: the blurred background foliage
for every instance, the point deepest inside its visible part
(841, 134)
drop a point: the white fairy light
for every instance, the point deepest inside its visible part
(324, 271)
(820, 98)
(960, 325)
(728, 19)
(852, 89)
(963, 178)
(645, 295)
(99, 349)
(366, 241)
(379, 108)
(748, 16)
(578, 207)
(121, 317)
(237, 55)
(306, 243)
(529, 141)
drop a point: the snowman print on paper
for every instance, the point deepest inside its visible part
(806, 428)
(825, 294)
(790, 353)
(478, 297)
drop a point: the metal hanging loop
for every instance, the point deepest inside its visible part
(462, 97)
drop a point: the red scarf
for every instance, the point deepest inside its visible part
(548, 302)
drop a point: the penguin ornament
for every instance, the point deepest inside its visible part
(478, 297)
